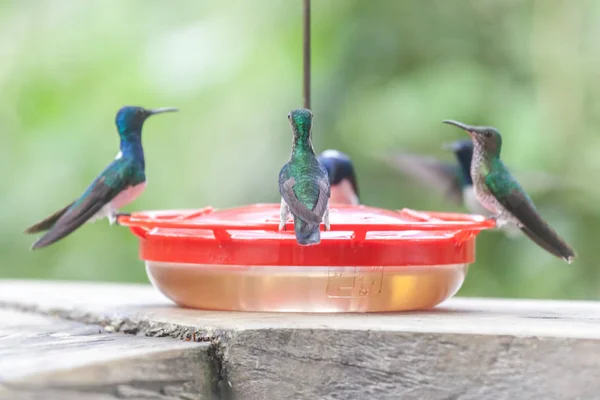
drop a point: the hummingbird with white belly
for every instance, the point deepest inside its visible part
(304, 183)
(500, 193)
(121, 182)
(342, 178)
(463, 152)
(453, 179)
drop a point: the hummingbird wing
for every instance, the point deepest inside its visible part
(313, 189)
(515, 200)
(118, 176)
(431, 172)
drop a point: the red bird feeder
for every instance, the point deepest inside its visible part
(372, 260)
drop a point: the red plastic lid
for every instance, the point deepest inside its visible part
(359, 236)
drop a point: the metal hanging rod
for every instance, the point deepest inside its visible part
(306, 52)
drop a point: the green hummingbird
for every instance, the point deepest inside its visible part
(499, 192)
(304, 184)
(121, 182)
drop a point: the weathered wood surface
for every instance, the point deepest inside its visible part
(45, 358)
(465, 349)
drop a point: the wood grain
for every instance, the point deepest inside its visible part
(46, 358)
(466, 349)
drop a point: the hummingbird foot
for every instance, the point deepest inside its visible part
(500, 222)
(326, 219)
(284, 213)
(114, 219)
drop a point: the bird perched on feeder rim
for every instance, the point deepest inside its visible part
(463, 151)
(121, 182)
(499, 192)
(453, 179)
(342, 178)
(304, 184)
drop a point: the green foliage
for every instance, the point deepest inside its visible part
(385, 74)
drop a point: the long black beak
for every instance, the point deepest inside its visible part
(162, 110)
(466, 127)
(470, 129)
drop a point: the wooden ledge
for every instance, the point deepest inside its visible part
(465, 349)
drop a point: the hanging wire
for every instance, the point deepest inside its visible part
(306, 52)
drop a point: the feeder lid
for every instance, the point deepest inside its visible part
(359, 236)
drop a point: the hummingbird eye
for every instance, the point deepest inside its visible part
(488, 134)
(290, 116)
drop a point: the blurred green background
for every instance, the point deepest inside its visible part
(385, 74)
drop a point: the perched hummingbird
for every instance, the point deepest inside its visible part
(304, 184)
(454, 179)
(118, 185)
(498, 191)
(344, 189)
(463, 151)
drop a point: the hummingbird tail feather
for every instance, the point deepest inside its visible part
(51, 237)
(47, 223)
(552, 243)
(306, 233)
(46, 240)
(65, 226)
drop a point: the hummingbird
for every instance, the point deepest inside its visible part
(121, 182)
(342, 178)
(463, 151)
(499, 192)
(453, 179)
(463, 183)
(304, 183)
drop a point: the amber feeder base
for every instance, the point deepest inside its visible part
(307, 289)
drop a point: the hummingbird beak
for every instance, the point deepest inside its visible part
(471, 130)
(162, 110)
